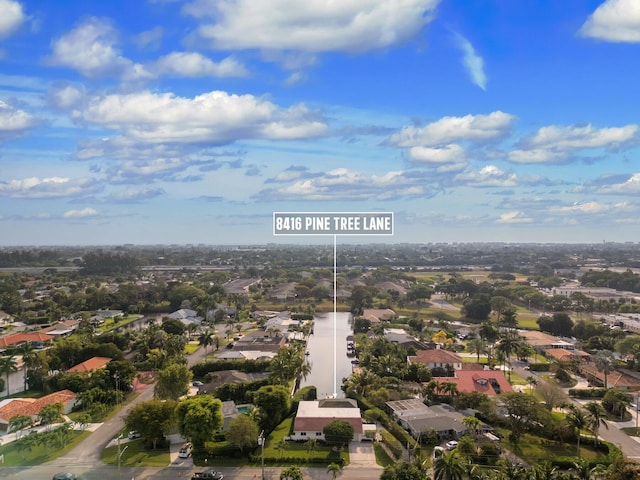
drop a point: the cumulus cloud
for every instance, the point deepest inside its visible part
(630, 186)
(554, 144)
(149, 39)
(311, 25)
(488, 176)
(472, 61)
(451, 153)
(614, 21)
(514, 217)
(135, 195)
(53, 187)
(344, 184)
(192, 64)
(11, 17)
(14, 121)
(84, 213)
(90, 48)
(211, 118)
(590, 208)
(471, 128)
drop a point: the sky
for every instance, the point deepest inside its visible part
(192, 122)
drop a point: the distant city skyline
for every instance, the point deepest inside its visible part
(191, 122)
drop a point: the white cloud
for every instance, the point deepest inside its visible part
(589, 208)
(344, 184)
(514, 217)
(473, 62)
(311, 25)
(536, 155)
(13, 121)
(488, 176)
(11, 17)
(451, 153)
(472, 128)
(614, 21)
(213, 118)
(53, 187)
(575, 137)
(66, 97)
(192, 64)
(84, 213)
(150, 39)
(631, 186)
(90, 49)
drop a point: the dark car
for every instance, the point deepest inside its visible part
(65, 476)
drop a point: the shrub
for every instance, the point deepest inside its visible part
(587, 392)
(395, 447)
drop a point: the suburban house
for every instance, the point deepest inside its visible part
(401, 337)
(562, 355)
(223, 377)
(418, 418)
(621, 378)
(437, 358)
(36, 339)
(541, 341)
(186, 316)
(489, 382)
(239, 286)
(260, 341)
(377, 315)
(245, 355)
(91, 365)
(61, 329)
(32, 406)
(314, 415)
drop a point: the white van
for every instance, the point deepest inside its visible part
(185, 450)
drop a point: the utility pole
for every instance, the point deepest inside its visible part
(120, 453)
(261, 443)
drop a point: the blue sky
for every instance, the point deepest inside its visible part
(165, 121)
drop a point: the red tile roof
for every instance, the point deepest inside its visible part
(90, 365)
(17, 338)
(32, 406)
(479, 381)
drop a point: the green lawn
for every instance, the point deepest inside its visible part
(534, 449)
(134, 455)
(382, 457)
(527, 321)
(110, 323)
(190, 347)
(15, 457)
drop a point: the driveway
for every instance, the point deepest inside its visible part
(361, 454)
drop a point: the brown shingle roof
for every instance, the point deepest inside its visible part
(436, 355)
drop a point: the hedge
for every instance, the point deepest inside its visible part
(539, 367)
(587, 392)
(200, 369)
(390, 441)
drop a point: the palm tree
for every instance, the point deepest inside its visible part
(577, 420)
(582, 470)
(605, 362)
(595, 418)
(312, 444)
(448, 467)
(334, 469)
(205, 339)
(508, 344)
(30, 359)
(472, 423)
(8, 366)
(477, 346)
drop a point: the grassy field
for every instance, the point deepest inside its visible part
(15, 457)
(191, 347)
(110, 323)
(534, 449)
(382, 457)
(134, 455)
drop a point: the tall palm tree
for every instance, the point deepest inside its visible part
(448, 467)
(205, 339)
(30, 359)
(577, 420)
(595, 418)
(507, 345)
(8, 366)
(604, 362)
(477, 346)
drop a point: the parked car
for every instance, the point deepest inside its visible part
(133, 434)
(185, 450)
(197, 383)
(207, 475)
(451, 445)
(65, 476)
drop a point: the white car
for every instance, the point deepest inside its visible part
(185, 451)
(133, 434)
(451, 445)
